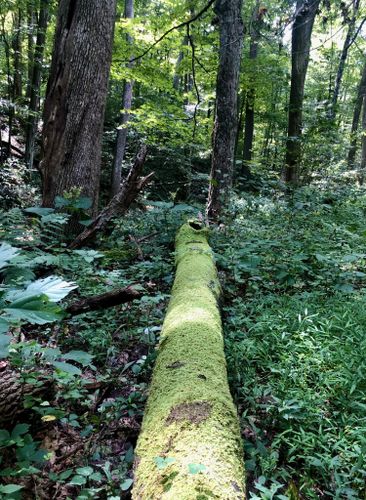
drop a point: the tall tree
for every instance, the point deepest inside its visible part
(350, 37)
(361, 93)
(36, 76)
(75, 99)
(225, 127)
(256, 21)
(301, 41)
(363, 141)
(125, 115)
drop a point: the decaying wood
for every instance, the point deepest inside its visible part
(120, 203)
(13, 393)
(108, 299)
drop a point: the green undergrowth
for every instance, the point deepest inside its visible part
(293, 272)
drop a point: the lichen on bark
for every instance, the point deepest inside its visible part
(190, 446)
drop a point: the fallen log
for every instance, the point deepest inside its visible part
(190, 445)
(14, 392)
(104, 300)
(120, 203)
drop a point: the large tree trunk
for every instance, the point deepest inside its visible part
(361, 93)
(75, 100)
(190, 421)
(301, 42)
(17, 56)
(225, 127)
(35, 83)
(125, 116)
(342, 61)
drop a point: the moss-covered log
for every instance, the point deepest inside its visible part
(190, 447)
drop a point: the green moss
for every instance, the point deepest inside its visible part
(190, 414)
(124, 253)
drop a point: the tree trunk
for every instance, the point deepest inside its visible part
(301, 42)
(231, 37)
(363, 141)
(342, 61)
(190, 421)
(125, 116)
(17, 56)
(35, 83)
(361, 93)
(257, 19)
(75, 100)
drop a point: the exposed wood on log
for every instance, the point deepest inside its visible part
(104, 300)
(120, 203)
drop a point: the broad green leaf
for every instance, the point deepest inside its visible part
(55, 288)
(35, 309)
(66, 367)
(10, 488)
(126, 485)
(39, 210)
(19, 430)
(196, 468)
(7, 253)
(84, 471)
(79, 356)
(78, 480)
(4, 345)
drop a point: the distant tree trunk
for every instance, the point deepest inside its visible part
(301, 42)
(30, 47)
(177, 77)
(75, 99)
(256, 21)
(125, 116)
(342, 61)
(361, 93)
(363, 141)
(17, 55)
(9, 86)
(231, 37)
(35, 83)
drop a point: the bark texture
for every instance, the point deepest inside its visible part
(75, 100)
(363, 141)
(125, 116)
(13, 394)
(190, 420)
(361, 93)
(120, 203)
(225, 127)
(301, 42)
(104, 300)
(35, 83)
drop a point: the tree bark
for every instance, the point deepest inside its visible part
(190, 420)
(342, 61)
(125, 116)
(75, 99)
(35, 83)
(231, 37)
(17, 55)
(257, 19)
(361, 93)
(120, 203)
(13, 393)
(301, 41)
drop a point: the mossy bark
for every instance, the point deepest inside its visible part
(190, 445)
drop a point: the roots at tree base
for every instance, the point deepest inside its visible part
(190, 446)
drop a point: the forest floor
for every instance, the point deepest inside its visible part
(294, 316)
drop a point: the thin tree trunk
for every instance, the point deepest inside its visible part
(231, 38)
(190, 420)
(35, 84)
(125, 116)
(75, 100)
(301, 42)
(342, 61)
(361, 93)
(30, 47)
(257, 19)
(17, 56)
(363, 141)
